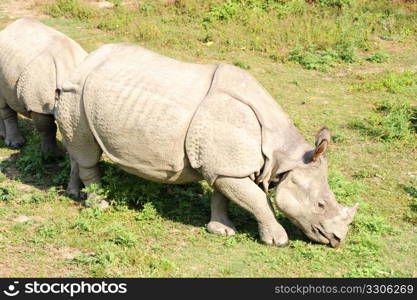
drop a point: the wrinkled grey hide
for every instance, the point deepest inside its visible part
(176, 122)
(34, 59)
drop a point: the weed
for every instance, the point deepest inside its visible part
(123, 188)
(373, 224)
(339, 137)
(390, 122)
(369, 271)
(314, 58)
(49, 230)
(95, 194)
(2, 177)
(8, 192)
(332, 3)
(71, 8)
(159, 264)
(83, 225)
(241, 65)
(345, 51)
(378, 57)
(252, 24)
(30, 160)
(36, 197)
(64, 167)
(120, 19)
(121, 237)
(224, 12)
(148, 212)
(391, 82)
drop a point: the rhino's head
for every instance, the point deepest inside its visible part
(304, 196)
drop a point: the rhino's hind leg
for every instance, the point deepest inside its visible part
(220, 223)
(2, 129)
(74, 185)
(85, 154)
(45, 124)
(13, 137)
(249, 196)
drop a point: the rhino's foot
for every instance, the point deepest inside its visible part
(15, 142)
(73, 191)
(274, 235)
(221, 228)
(2, 135)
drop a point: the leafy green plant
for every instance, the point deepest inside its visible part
(148, 212)
(119, 19)
(224, 12)
(378, 57)
(30, 160)
(121, 236)
(49, 230)
(241, 65)
(391, 121)
(332, 3)
(8, 192)
(71, 8)
(391, 82)
(313, 58)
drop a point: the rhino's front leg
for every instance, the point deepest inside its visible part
(248, 195)
(45, 124)
(220, 222)
(13, 137)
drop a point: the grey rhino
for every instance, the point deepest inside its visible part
(34, 59)
(175, 122)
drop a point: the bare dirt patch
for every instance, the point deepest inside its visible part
(15, 9)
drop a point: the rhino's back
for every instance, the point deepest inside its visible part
(20, 43)
(139, 106)
(27, 47)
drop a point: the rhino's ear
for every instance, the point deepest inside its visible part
(322, 141)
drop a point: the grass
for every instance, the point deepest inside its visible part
(395, 117)
(156, 230)
(391, 82)
(337, 29)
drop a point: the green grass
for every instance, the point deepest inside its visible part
(391, 82)
(378, 57)
(395, 117)
(337, 29)
(391, 121)
(156, 230)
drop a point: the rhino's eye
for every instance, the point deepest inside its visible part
(321, 204)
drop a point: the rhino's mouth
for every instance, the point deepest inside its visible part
(326, 238)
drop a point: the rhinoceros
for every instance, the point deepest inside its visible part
(34, 59)
(176, 122)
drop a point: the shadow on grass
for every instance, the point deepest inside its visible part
(187, 204)
(28, 164)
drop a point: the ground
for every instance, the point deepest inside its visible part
(154, 230)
